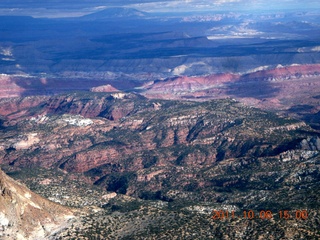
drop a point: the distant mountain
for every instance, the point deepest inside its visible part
(186, 84)
(115, 13)
(104, 88)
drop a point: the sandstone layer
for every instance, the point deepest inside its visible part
(126, 142)
(26, 215)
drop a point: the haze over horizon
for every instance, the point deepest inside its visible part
(71, 8)
(159, 119)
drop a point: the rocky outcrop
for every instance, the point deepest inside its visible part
(15, 107)
(107, 137)
(104, 88)
(104, 106)
(298, 155)
(311, 143)
(293, 90)
(8, 87)
(26, 215)
(184, 84)
(176, 153)
(21, 85)
(282, 73)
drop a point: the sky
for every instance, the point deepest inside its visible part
(233, 5)
(81, 7)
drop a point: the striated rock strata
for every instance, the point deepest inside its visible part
(26, 215)
(104, 88)
(129, 143)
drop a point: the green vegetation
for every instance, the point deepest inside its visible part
(170, 167)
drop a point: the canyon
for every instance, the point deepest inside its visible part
(133, 153)
(121, 124)
(289, 90)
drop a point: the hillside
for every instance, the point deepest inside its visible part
(173, 162)
(290, 90)
(137, 160)
(26, 215)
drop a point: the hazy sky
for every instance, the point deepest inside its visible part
(87, 6)
(233, 5)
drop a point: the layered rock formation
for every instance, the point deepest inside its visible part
(187, 157)
(9, 88)
(183, 85)
(292, 90)
(26, 215)
(104, 88)
(221, 85)
(25, 85)
(125, 133)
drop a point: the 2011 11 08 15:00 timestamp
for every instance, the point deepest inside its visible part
(262, 214)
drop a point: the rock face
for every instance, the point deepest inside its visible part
(8, 87)
(281, 73)
(14, 107)
(26, 215)
(182, 85)
(195, 86)
(191, 88)
(126, 142)
(25, 85)
(104, 88)
(103, 106)
(185, 156)
(293, 90)
(311, 143)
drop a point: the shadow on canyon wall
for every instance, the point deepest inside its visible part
(244, 88)
(49, 86)
(307, 114)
